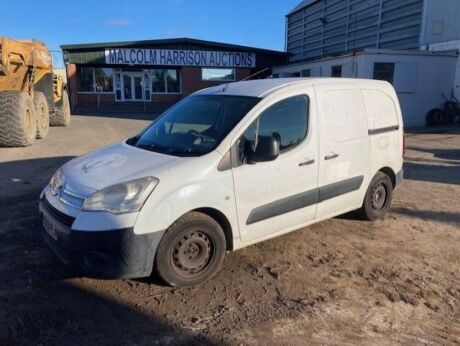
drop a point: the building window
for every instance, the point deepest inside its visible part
(172, 81)
(384, 71)
(306, 73)
(104, 79)
(159, 81)
(165, 81)
(118, 85)
(218, 74)
(91, 78)
(85, 79)
(147, 85)
(336, 71)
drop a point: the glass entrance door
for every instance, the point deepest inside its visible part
(137, 88)
(127, 87)
(133, 86)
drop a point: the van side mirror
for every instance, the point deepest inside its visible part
(268, 149)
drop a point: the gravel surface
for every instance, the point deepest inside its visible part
(342, 281)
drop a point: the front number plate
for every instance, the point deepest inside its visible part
(49, 228)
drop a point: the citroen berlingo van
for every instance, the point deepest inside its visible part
(227, 167)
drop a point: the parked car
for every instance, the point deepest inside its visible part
(227, 167)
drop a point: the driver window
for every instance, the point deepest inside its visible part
(286, 120)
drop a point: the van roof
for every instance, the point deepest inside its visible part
(264, 87)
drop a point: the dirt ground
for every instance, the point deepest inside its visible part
(342, 281)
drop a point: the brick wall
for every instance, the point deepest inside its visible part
(191, 82)
(191, 79)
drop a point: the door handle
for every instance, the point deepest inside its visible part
(306, 163)
(331, 156)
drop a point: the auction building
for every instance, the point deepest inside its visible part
(150, 76)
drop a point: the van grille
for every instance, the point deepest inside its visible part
(60, 216)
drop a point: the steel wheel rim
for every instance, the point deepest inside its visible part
(192, 253)
(379, 197)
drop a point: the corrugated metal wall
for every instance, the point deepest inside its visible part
(442, 21)
(333, 27)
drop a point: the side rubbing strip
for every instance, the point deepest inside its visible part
(304, 199)
(383, 130)
(283, 206)
(340, 188)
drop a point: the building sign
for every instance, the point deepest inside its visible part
(174, 57)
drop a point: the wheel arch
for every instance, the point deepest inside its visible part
(390, 173)
(222, 220)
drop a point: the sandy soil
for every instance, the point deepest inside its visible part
(343, 281)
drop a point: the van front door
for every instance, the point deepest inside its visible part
(276, 196)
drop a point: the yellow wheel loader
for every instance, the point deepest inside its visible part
(31, 97)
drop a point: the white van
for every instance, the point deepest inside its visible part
(227, 167)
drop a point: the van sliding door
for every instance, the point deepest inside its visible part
(343, 148)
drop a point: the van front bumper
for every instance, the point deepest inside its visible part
(110, 254)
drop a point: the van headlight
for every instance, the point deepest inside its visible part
(56, 182)
(122, 198)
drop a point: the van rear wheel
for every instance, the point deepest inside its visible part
(191, 251)
(378, 198)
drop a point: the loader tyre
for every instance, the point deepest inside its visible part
(42, 114)
(18, 125)
(61, 116)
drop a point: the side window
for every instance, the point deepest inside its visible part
(287, 120)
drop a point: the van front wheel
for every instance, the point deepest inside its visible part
(378, 198)
(191, 251)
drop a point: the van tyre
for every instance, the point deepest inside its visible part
(61, 116)
(378, 198)
(18, 125)
(191, 251)
(42, 114)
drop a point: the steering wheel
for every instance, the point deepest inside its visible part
(195, 133)
(201, 136)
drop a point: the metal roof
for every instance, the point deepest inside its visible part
(184, 40)
(303, 4)
(315, 29)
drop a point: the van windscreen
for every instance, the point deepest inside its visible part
(195, 126)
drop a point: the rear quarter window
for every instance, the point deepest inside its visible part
(381, 109)
(345, 115)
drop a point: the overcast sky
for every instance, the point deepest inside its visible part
(258, 23)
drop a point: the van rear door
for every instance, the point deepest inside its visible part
(343, 148)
